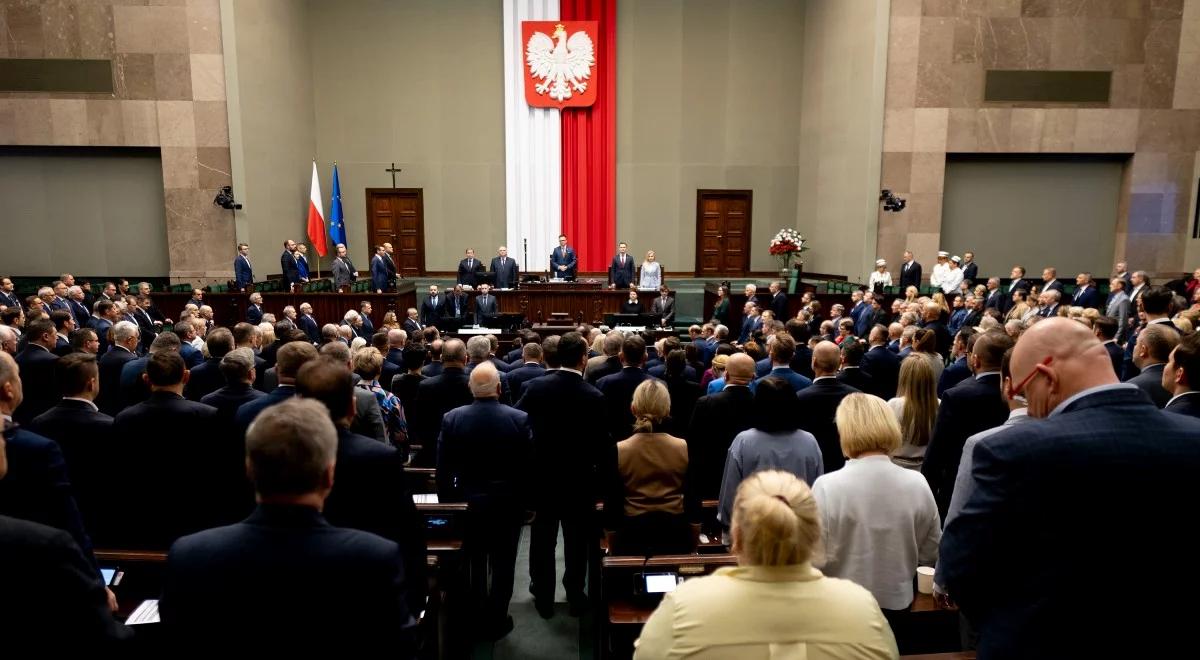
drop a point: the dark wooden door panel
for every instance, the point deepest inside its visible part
(397, 216)
(723, 232)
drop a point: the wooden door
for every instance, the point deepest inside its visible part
(723, 232)
(397, 216)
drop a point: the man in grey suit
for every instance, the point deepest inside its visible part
(664, 305)
(344, 272)
(1118, 307)
(485, 304)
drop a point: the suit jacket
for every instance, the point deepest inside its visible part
(389, 371)
(605, 367)
(371, 493)
(146, 328)
(101, 326)
(133, 388)
(995, 299)
(38, 487)
(485, 306)
(1053, 285)
(972, 406)
(972, 319)
(468, 273)
(55, 593)
(664, 307)
(185, 471)
(857, 378)
(485, 451)
(689, 374)
(1033, 486)
(249, 410)
(563, 257)
(456, 307)
(884, 368)
(191, 355)
(684, 395)
(910, 275)
(84, 436)
(435, 397)
(565, 416)
(434, 368)
(750, 325)
(110, 400)
(80, 313)
(1116, 355)
(521, 375)
(392, 272)
(431, 309)
(11, 300)
(1118, 307)
(367, 329)
(970, 272)
(287, 266)
(309, 325)
(412, 327)
(243, 274)
(40, 384)
(229, 398)
(779, 306)
(379, 275)
(343, 272)
(716, 420)
(620, 274)
(618, 395)
(818, 406)
(1185, 404)
(240, 582)
(1149, 380)
(254, 314)
(789, 376)
(957, 372)
(506, 274)
(205, 378)
(1088, 297)
(944, 340)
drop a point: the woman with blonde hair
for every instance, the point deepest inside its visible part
(774, 603)
(915, 406)
(911, 294)
(651, 273)
(879, 521)
(715, 374)
(646, 509)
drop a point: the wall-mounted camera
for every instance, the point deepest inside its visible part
(891, 202)
(224, 199)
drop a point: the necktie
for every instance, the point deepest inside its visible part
(622, 260)
(470, 263)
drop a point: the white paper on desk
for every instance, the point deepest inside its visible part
(147, 612)
(425, 498)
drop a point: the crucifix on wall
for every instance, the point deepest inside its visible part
(394, 170)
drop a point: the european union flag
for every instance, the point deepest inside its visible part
(337, 228)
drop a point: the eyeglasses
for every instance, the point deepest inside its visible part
(1018, 390)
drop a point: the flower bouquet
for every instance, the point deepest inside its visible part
(787, 246)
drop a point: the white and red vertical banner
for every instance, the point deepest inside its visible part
(532, 148)
(560, 128)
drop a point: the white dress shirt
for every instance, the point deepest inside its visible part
(951, 279)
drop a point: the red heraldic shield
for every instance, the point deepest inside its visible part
(560, 63)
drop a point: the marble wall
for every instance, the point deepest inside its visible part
(938, 52)
(170, 93)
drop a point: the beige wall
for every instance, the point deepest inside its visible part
(271, 126)
(841, 118)
(708, 96)
(419, 83)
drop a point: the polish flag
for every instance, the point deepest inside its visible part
(316, 215)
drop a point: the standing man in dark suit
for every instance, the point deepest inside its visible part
(344, 272)
(618, 388)
(851, 372)
(933, 321)
(206, 377)
(102, 321)
(505, 269)
(1036, 492)
(1050, 280)
(485, 304)
(1138, 283)
(1151, 353)
(1121, 271)
(64, 323)
(779, 301)
(972, 406)
(237, 368)
(1105, 329)
(818, 404)
(457, 304)
(1181, 377)
(782, 349)
(431, 307)
(438, 395)
(970, 269)
(288, 360)
(563, 261)
(287, 264)
(620, 271)
(379, 275)
(1017, 282)
(485, 451)
(412, 324)
(716, 420)
(958, 370)
(240, 581)
(664, 306)
(126, 338)
(173, 458)
(37, 363)
(994, 298)
(1086, 294)
(910, 272)
(882, 364)
(254, 311)
(76, 306)
(389, 263)
(371, 492)
(531, 354)
(469, 269)
(147, 328)
(243, 274)
(8, 294)
(308, 324)
(565, 415)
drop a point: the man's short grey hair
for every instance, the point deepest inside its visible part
(206, 307)
(612, 343)
(123, 331)
(721, 332)
(45, 291)
(74, 290)
(329, 331)
(350, 316)
(337, 350)
(478, 349)
(345, 331)
(269, 317)
(289, 308)
(454, 350)
(236, 365)
(484, 378)
(1054, 295)
(290, 446)
(397, 338)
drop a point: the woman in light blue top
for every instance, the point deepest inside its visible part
(651, 273)
(775, 443)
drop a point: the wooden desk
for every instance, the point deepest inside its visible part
(230, 308)
(737, 300)
(581, 305)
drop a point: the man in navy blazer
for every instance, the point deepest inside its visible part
(564, 415)
(505, 269)
(287, 263)
(431, 307)
(1182, 370)
(1086, 294)
(379, 273)
(716, 420)
(237, 369)
(531, 368)
(972, 406)
(285, 569)
(485, 304)
(562, 260)
(37, 370)
(438, 395)
(817, 404)
(782, 348)
(618, 388)
(484, 455)
(1150, 354)
(288, 360)
(254, 310)
(1050, 280)
(751, 324)
(1054, 490)
(206, 378)
(958, 370)
(882, 364)
(620, 270)
(243, 273)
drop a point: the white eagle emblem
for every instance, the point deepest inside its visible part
(561, 67)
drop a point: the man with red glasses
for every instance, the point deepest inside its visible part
(1034, 556)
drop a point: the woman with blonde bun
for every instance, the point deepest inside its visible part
(774, 603)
